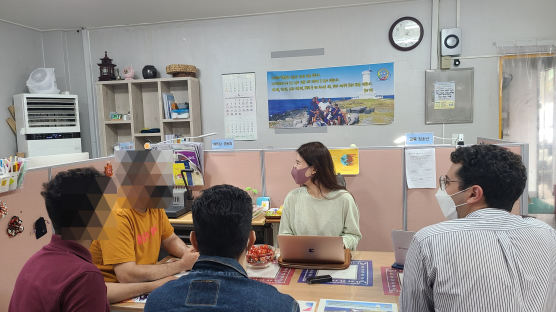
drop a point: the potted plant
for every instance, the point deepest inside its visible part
(253, 192)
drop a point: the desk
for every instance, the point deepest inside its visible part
(184, 225)
(301, 291)
(273, 220)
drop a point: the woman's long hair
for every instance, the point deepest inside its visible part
(317, 155)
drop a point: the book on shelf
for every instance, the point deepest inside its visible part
(179, 110)
(168, 100)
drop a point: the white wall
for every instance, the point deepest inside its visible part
(350, 36)
(63, 50)
(20, 53)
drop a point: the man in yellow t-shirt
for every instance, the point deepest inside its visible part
(130, 253)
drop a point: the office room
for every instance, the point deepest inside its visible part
(410, 141)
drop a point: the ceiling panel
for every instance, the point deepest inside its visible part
(73, 14)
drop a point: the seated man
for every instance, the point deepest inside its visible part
(130, 253)
(488, 259)
(61, 276)
(222, 220)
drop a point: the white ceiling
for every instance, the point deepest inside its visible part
(73, 14)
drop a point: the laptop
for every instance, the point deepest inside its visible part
(311, 249)
(401, 240)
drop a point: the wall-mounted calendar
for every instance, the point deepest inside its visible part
(240, 107)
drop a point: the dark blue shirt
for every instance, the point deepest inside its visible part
(313, 107)
(218, 284)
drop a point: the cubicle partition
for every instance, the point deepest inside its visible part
(278, 165)
(379, 196)
(422, 208)
(97, 163)
(27, 204)
(238, 168)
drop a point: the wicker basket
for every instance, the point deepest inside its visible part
(181, 70)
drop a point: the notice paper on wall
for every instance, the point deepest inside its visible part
(240, 107)
(420, 168)
(445, 95)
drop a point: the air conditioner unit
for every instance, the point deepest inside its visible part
(47, 124)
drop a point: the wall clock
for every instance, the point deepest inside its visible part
(406, 33)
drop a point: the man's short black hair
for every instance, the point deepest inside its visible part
(499, 172)
(222, 220)
(71, 199)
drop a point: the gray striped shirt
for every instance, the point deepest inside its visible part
(490, 260)
(550, 304)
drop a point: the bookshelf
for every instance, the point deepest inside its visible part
(142, 100)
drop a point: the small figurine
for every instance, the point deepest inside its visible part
(106, 68)
(108, 169)
(128, 72)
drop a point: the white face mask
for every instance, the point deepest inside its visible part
(447, 204)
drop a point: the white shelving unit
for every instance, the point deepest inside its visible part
(142, 99)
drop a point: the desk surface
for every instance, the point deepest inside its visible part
(187, 219)
(301, 291)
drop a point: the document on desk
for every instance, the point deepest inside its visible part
(359, 273)
(420, 168)
(349, 306)
(273, 274)
(391, 281)
(307, 306)
(268, 272)
(350, 273)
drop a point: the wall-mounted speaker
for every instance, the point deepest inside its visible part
(450, 41)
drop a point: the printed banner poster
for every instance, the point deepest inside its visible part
(332, 96)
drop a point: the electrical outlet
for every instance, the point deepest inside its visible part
(457, 137)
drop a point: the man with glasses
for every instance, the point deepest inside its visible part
(484, 258)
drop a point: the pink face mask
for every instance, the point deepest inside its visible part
(299, 175)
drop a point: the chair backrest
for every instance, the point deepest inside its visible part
(341, 180)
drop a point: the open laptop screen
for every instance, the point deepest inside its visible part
(311, 249)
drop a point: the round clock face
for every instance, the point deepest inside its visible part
(406, 33)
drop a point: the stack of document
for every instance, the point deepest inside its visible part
(187, 156)
(173, 109)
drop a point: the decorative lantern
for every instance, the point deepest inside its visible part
(106, 68)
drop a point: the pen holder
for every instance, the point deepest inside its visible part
(12, 181)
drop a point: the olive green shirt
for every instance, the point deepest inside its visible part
(335, 215)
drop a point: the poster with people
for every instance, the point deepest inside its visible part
(332, 96)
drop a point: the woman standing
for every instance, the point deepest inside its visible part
(320, 206)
